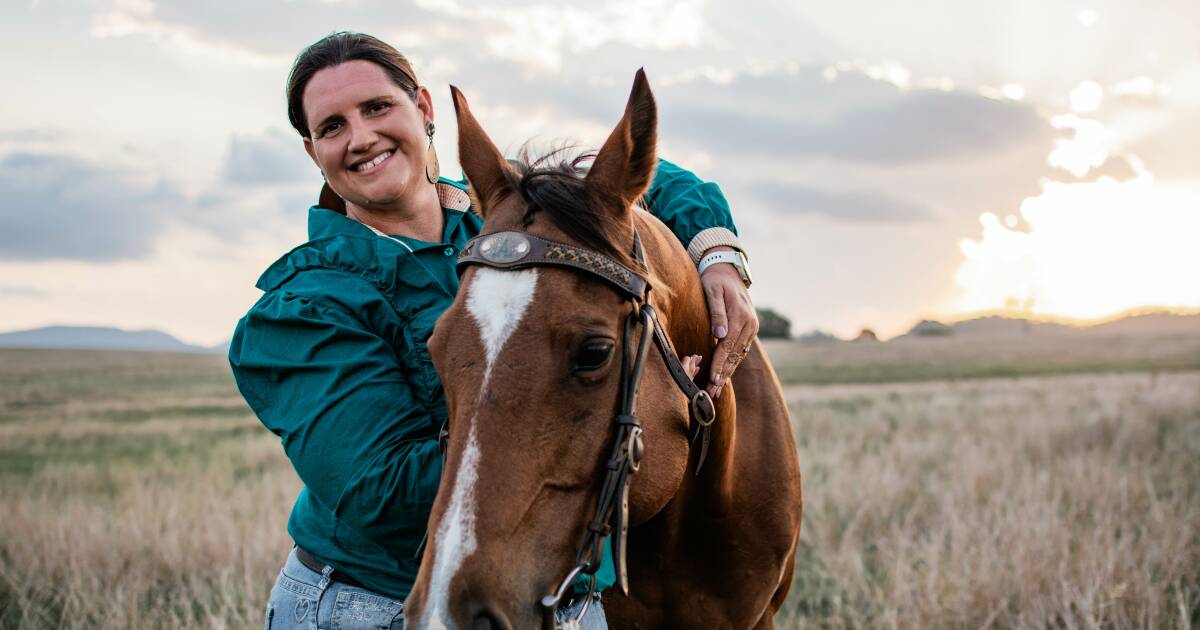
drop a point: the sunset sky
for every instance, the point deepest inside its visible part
(884, 163)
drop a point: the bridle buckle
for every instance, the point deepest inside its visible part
(704, 416)
(634, 449)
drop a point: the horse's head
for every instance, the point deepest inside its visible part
(532, 361)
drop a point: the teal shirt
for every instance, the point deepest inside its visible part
(333, 360)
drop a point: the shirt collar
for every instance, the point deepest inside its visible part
(328, 217)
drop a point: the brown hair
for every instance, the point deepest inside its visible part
(338, 48)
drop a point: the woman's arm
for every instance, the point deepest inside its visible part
(333, 391)
(697, 212)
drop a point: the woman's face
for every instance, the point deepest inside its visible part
(367, 135)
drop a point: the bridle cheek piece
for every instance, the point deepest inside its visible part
(513, 249)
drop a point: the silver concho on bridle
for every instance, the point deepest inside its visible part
(504, 247)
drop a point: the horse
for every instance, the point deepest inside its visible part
(570, 422)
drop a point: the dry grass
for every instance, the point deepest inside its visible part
(1065, 502)
(139, 492)
(981, 357)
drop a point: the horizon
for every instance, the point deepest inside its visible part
(949, 321)
(885, 165)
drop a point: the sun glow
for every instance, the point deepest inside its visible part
(1088, 148)
(1086, 97)
(1088, 250)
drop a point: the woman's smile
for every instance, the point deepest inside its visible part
(373, 165)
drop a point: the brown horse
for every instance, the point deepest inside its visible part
(533, 362)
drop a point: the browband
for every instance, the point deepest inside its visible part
(515, 250)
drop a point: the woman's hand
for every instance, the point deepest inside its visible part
(734, 320)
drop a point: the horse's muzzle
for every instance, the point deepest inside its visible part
(488, 618)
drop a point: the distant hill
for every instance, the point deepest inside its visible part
(817, 336)
(1152, 324)
(99, 338)
(1003, 326)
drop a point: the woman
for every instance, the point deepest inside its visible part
(333, 359)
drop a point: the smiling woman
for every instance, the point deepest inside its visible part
(369, 127)
(363, 127)
(334, 357)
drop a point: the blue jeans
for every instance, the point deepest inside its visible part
(303, 599)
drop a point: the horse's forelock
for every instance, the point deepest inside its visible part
(552, 184)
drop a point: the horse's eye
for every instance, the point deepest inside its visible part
(592, 355)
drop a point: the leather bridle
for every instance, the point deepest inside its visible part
(513, 249)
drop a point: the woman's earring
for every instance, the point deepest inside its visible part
(432, 168)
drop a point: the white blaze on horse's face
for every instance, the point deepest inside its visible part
(497, 300)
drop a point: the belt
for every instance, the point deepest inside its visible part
(311, 561)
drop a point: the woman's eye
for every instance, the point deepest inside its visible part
(330, 128)
(378, 108)
(593, 355)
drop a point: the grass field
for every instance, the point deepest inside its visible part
(948, 484)
(948, 358)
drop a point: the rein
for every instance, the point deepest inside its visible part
(514, 249)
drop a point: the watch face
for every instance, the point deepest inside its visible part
(744, 268)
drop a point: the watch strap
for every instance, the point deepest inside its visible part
(733, 258)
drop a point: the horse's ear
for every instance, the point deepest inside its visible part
(482, 162)
(625, 164)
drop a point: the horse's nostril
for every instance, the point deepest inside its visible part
(488, 619)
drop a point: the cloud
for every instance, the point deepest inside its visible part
(65, 207)
(1169, 149)
(852, 118)
(18, 291)
(266, 180)
(273, 157)
(233, 30)
(126, 18)
(30, 135)
(1116, 167)
(783, 115)
(840, 205)
(854, 149)
(539, 35)
(62, 207)
(543, 37)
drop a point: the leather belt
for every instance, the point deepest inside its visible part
(311, 561)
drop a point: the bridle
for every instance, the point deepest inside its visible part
(513, 249)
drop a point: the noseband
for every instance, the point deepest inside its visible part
(516, 250)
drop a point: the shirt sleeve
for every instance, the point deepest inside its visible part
(695, 210)
(334, 392)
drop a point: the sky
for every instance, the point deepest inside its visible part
(884, 163)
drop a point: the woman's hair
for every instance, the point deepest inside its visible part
(338, 48)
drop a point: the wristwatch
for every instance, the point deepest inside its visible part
(735, 258)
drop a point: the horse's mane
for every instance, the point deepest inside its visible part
(553, 184)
